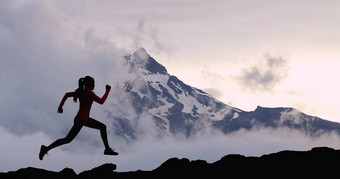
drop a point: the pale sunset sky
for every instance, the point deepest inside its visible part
(224, 46)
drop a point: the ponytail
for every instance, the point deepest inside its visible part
(80, 89)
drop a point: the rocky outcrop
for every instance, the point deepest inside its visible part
(317, 162)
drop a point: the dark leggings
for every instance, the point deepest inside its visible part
(78, 124)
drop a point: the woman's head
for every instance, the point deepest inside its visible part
(87, 81)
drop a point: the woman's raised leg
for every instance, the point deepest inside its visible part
(69, 137)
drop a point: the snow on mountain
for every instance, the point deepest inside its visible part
(179, 108)
(279, 117)
(174, 105)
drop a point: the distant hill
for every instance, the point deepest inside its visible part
(317, 162)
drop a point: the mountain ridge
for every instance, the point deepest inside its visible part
(319, 161)
(177, 107)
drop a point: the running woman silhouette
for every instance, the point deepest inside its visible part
(86, 97)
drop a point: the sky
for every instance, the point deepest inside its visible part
(244, 53)
(222, 46)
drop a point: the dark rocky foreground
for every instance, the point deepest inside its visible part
(317, 162)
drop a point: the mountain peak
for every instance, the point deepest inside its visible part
(141, 49)
(140, 59)
(141, 54)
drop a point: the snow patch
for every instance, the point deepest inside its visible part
(156, 79)
(236, 115)
(291, 115)
(162, 112)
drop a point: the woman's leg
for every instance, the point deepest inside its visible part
(70, 136)
(92, 123)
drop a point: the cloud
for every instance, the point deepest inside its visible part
(214, 79)
(216, 93)
(265, 75)
(22, 151)
(44, 53)
(147, 35)
(212, 76)
(150, 150)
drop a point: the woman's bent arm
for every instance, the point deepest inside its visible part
(102, 99)
(60, 108)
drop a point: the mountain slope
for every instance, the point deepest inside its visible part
(278, 117)
(179, 108)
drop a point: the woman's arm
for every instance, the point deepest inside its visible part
(60, 108)
(102, 99)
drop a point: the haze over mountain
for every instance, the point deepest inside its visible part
(176, 107)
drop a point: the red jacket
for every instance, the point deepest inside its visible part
(85, 102)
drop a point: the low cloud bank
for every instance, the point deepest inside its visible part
(149, 151)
